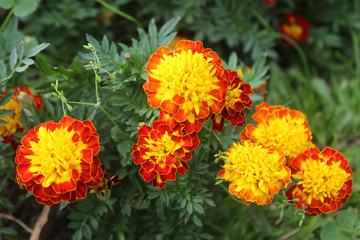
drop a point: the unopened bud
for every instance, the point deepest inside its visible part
(127, 56)
(25, 100)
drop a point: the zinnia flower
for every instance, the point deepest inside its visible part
(57, 162)
(296, 27)
(280, 127)
(187, 84)
(256, 172)
(163, 151)
(13, 121)
(325, 181)
(237, 99)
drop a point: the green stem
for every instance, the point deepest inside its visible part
(357, 54)
(217, 137)
(232, 196)
(286, 38)
(120, 13)
(6, 21)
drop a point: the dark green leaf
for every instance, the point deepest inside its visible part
(197, 221)
(13, 58)
(49, 107)
(78, 235)
(94, 223)
(8, 231)
(87, 232)
(5, 113)
(189, 207)
(24, 120)
(168, 27)
(5, 99)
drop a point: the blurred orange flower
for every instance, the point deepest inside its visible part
(325, 181)
(57, 162)
(187, 84)
(296, 27)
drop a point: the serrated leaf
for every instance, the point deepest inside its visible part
(13, 58)
(36, 50)
(5, 99)
(6, 4)
(5, 112)
(25, 7)
(152, 34)
(329, 231)
(94, 223)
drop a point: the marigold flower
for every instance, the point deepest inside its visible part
(325, 181)
(280, 127)
(175, 41)
(296, 27)
(187, 84)
(256, 172)
(270, 1)
(237, 99)
(163, 151)
(13, 121)
(57, 162)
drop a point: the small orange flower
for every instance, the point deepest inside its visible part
(325, 181)
(237, 99)
(256, 172)
(163, 151)
(280, 127)
(57, 162)
(187, 84)
(13, 121)
(296, 27)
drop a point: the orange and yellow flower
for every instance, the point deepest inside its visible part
(13, 121)
(296, 27)
(325, 181)
(187, 84)
(237, 99)
(57, 162)
(280, 127)
(256, 172)
(163, 151)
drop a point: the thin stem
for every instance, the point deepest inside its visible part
(232, 196)
(18, 221)
(286, 38)
(357, 54)
(7, 19)
(120, 13)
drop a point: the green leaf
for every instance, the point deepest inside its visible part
(25, 7)
(2, 122)
(35, 50)
(28, 61)
(8, 231)
(197, 221)
(49, 107)
(168, 27)
(6, 4)
(329, 232)
(5, 112)
(13, 58)
(189, 207)
(152, 34)
(5, 99)
(346, 219)
(22, 68)
(87, 232)
(94, 223)
(24, 120)
(63, 205)
(233, 61)
(78, 235)
(3, 69)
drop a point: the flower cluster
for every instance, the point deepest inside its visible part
(296, 27)
(278, 148)
(13, 121)
(57, 162)
(190, 86)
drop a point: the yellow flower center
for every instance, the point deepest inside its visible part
(286, 133)
(232, 96)
(188, 75)
(161, 148)
(251, 166)
(55, 155)
(294, 30)
(13, 121)
(321, 180)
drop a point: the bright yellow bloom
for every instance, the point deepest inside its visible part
(280, 127)
(325, 180)
(187, 84)
(256, 172)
